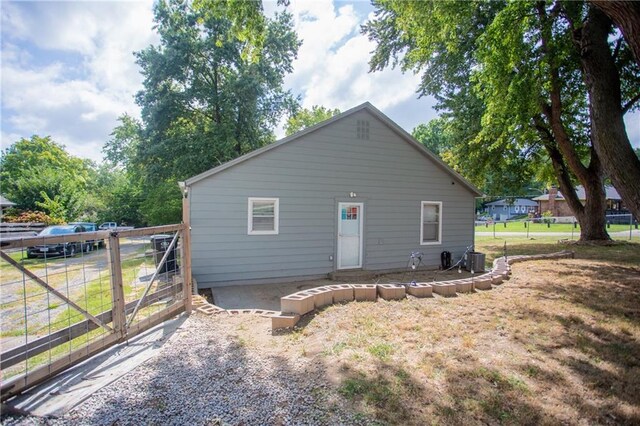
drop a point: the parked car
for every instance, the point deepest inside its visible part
(113, 226)
(90, 227)
(63, 249)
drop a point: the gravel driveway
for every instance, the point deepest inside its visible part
(213, 371)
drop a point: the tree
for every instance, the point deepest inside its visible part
(123, 146)
(626, 16)
(120, 196)
(38, 174)
(304, 118)
(204, 102)
(603, 69)
(247, 20)
(434, 135)
(520, 61)
(212, 91)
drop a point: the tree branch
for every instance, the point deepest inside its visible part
(630, 104)
(553, 112)
(616, 51)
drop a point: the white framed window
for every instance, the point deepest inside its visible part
(430, 222)
(263, 216)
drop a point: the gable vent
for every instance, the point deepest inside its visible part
(362, 130)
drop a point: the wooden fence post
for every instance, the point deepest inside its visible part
(185, 249)
(117, 291)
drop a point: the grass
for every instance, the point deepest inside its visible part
(541, 227)
(624, 252)
(94, 297)
(557, 343)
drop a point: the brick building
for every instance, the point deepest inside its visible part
(554, 202)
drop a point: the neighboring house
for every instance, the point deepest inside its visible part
(506, 209)
(5, 204)
(353, 192)
(555, 203)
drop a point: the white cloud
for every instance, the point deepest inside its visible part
(68, 69)
(332, 67)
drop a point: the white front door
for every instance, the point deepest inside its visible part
(350, 235)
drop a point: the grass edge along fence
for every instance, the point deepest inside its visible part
(623, 226)
(53, 350)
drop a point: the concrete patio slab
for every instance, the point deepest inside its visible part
(263, 296)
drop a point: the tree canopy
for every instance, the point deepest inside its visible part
(38, 174)
(508, 77)
(212, 91)
(203, 103)
(304, 118)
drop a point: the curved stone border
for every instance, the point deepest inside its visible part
(293, 306)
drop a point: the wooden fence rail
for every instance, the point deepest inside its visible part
(175, 297)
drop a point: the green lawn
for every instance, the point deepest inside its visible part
(540, 227)
(623, 252)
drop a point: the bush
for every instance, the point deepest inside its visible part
(28, 216)
(547, 217)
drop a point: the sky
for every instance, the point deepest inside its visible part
(68, 68)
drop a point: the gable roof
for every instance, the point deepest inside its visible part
(517, 201)
(6, 203)
(365, 106)
(610, 194)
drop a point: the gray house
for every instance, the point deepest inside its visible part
(353, 192)
(5, 204)
(506, 209)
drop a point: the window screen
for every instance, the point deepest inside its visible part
(263, 215)
(430, 232)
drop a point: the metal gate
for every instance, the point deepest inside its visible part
(63, 298)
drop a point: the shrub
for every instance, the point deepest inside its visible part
(28, 216)
(547, 217)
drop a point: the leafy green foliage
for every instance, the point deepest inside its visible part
(122, 197)
(304, 118)
(121, 149)
(434, 136)
(510, 80)
(38, 174)
(203, 102)
(162, 204)
(212, 91)
(247, 21)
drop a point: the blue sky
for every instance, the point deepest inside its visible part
(68, 70)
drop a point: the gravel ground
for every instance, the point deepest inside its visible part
(211, 372)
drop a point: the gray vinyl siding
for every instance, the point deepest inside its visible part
(310, 176)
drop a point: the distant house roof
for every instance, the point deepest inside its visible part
(611, 194)
(6, 203)
(516, 202)
(365, 106)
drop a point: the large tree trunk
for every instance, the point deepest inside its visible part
(563, 154)
(626, 16)
(591, 214)
(608, 132)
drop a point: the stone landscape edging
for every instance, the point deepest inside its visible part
(294, 305)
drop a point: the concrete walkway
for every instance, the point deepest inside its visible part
(68, 389)
(262, 296)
